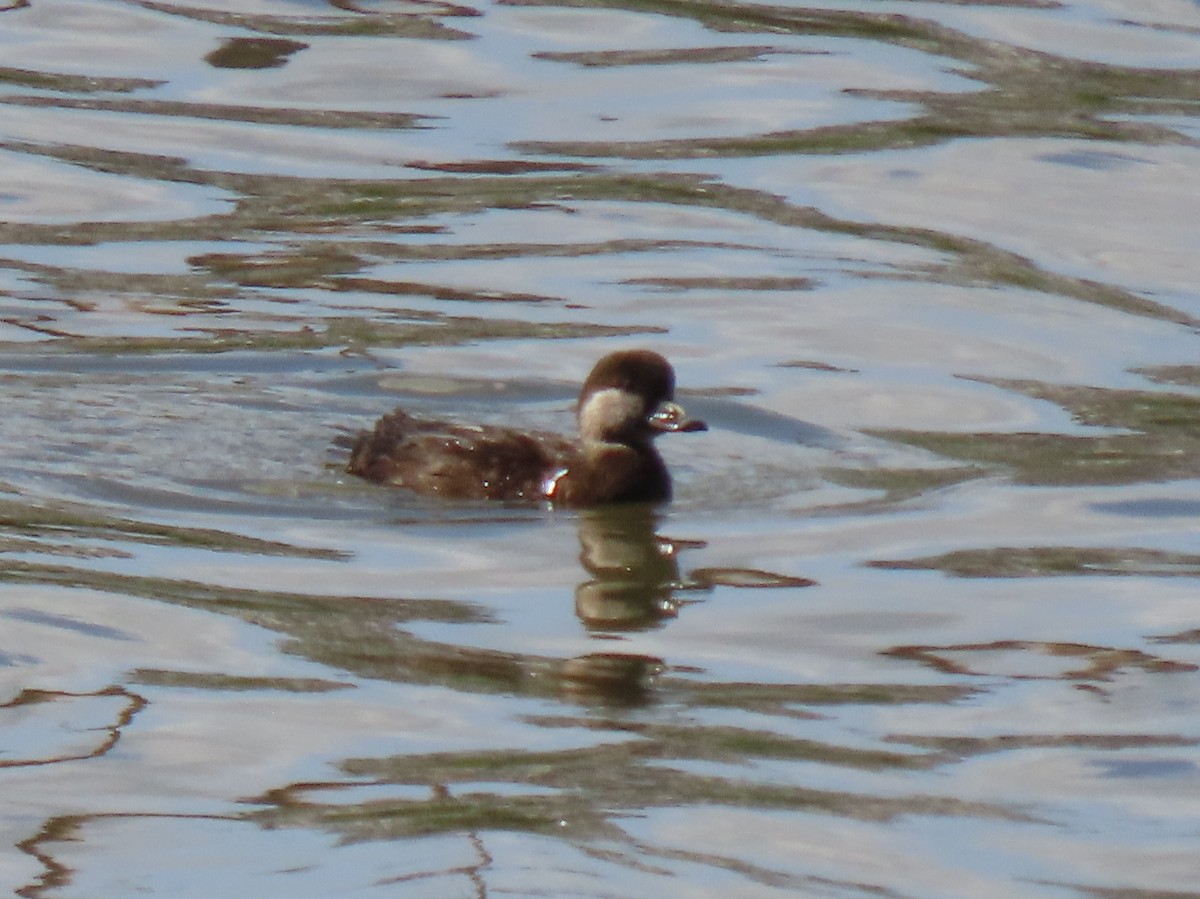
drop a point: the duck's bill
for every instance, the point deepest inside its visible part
(671, 417)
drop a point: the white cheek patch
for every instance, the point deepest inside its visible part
(609, 413)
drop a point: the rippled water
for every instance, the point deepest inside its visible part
(923, 619)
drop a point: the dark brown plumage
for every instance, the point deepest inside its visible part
(626, 401)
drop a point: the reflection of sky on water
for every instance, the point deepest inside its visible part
(326, 685)
(46, 191)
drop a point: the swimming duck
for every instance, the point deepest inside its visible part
(626, 401)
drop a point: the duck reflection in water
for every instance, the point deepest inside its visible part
(634, 570)
(634, 583)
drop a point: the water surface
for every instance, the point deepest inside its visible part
(922, 619)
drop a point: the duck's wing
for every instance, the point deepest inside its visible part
(458, 461)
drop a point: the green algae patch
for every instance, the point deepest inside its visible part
(1183, 375)
(64, 522)
(228, 112)
(1052, 561)
(72, 84)
(350, 334)
(265, 205)
(267, 608)
(682, 56)
(577, 792)
(190, 680)
(724, 282)
(253, 53)
(425, 25)
(899, 484)
(1142, 436)
(1024, 92)
(1027, 660)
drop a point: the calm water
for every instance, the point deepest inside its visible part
(923, 620)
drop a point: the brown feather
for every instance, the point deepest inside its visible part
(620, 411)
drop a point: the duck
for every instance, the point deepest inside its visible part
(626, 401)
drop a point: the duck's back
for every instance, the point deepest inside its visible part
(459, 461)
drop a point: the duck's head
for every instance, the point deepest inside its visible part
(629, 398)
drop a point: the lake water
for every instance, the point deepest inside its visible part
(923, 620)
